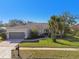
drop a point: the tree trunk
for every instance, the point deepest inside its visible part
(54, 40)
(61, 35)
(54, 36)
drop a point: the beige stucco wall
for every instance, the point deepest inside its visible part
(17, 29)
(24, 29)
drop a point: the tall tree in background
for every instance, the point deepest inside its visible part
(16, 22)
(1, 24)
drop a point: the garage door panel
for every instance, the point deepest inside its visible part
(16, 35)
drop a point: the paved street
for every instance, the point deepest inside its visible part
(65, 49)
(6, 47)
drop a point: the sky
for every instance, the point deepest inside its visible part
(36, 10)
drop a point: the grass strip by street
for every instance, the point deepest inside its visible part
(61, 43)
(49, 54)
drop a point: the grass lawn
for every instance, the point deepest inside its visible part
(48, 54)
(51, 54)
(69, 42)
(1, 39)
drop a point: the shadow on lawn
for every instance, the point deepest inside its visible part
(62, 43)
(72, 39)
(68, 38)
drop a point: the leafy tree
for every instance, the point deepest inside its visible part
(16, 22)
(61, 25)
(69, 21)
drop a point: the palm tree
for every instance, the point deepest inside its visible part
(53, 26)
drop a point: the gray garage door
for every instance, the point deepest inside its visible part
(16, 35)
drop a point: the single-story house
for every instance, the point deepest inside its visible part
(21, 31)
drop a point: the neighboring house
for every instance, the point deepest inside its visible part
(21, 31)
(76, 27)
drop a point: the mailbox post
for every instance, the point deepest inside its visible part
(17, 48)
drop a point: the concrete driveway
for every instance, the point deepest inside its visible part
(7, 46)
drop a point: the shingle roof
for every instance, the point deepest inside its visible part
(32, 26)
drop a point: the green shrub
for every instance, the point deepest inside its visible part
(76, 32)
(33, 34)
(2, 36)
